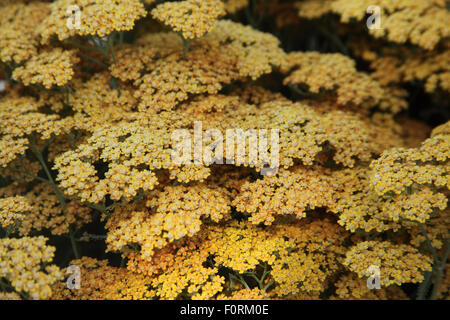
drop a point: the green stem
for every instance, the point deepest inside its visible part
(80, 46)
(186, 45)
(67, 90)
(28, 174)
(268, 285)
(424, 286)
(93, 60)
(58, 193)
(121, 40)
(100, 207)
(111, 47)
(71, 140)
(92, 236)
(97, 207)
(249, 16)
(98, 47)
(3, 286)
(231, 282)
(73, 243)
(430, 246)
(240, 279)
(439, 273)
(7, 73)
(265, 273)
(260, 284)
(334, 39)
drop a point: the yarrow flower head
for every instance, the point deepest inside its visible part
(192, 18)
(397, 263)
(21, 264)
(49, 68)
(97, 18)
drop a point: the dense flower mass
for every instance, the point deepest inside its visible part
(49, 68)
(224, 149)
(399, 263)
(97, 18)
(192, 18)
(329, 71)
(21, 266)
(423, 23)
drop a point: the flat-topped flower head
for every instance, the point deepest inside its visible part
(22, 263)
(49, 68)
(397, 263)
(192, 18)
(19, 39)
(96, 18)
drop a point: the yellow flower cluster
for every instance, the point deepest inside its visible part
(46, 213)
(297, 268)
(436, 228)
(130, 144)
(285, 260)
(429, 67)
(161, 260)
(48, 68)
(21, 122)
(13, 210)
(11, 148)
(287, 193)
(395, 100)
(233, 6)
(9, 296)
(21, 265)
(432, 67)
(313, 9)
(415, 177)
(126, 145)
(173, 79)
(178, 212)
(423, 23)
(99, 281)
(78, 179)
(350, 287)
(330, 72)
(247, 250)
(358, 206)
(125, 183)
(133, 60)
(19, 39)
(320, 248)
(189, 172)
(96, 99)
(20, 117)
(416, 206)
(89, 116)
(187, 273)
(322, 238)
(199, 199)
(192, 18)
(97, 18)
(397, 263)
(257, 52)
(245, 294)
(306, 134)
(243, 247)
(229, 52)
